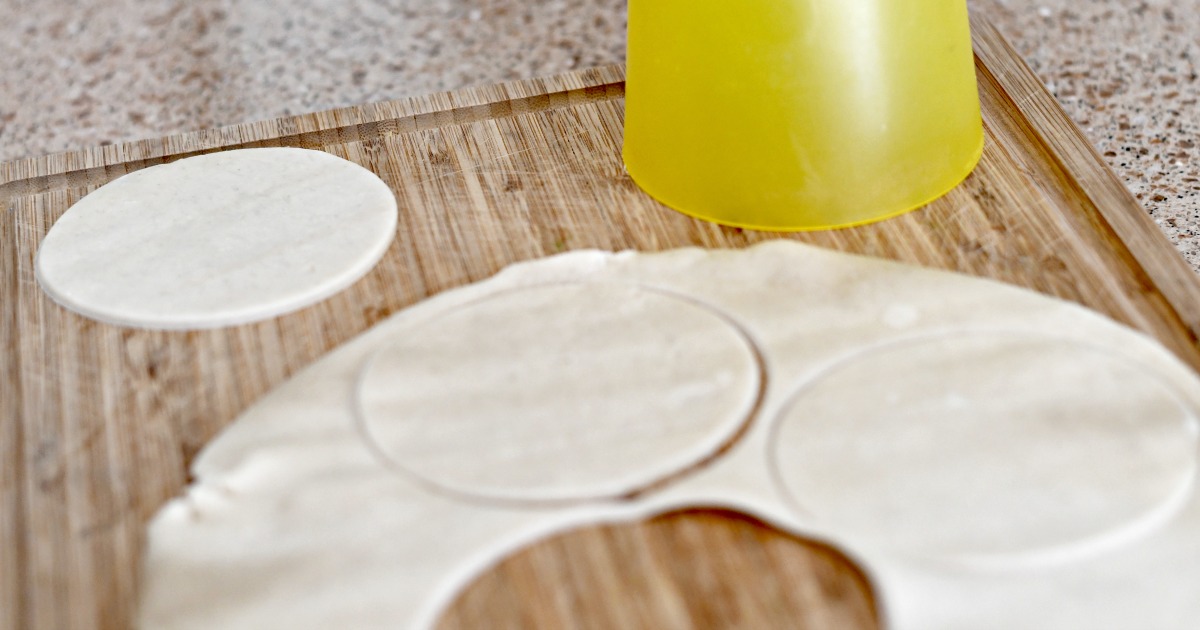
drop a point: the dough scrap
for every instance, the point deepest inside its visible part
(294, 521)
(218, 239)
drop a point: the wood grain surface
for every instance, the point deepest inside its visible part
(694, 569)
(99, 423)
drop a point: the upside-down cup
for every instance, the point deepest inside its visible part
(800, 114)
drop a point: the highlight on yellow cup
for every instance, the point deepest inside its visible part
(800, 114)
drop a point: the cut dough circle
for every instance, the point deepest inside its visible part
(218, 239)
(568, 392)
(987, 447)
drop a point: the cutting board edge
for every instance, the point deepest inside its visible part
(422, 112)
(1167, 270)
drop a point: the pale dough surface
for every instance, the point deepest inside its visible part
(986, 448)
(535, 411)
(297, 519)
(218, 239)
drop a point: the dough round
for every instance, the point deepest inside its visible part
(218, 239)
(560, 392)
(986, 447)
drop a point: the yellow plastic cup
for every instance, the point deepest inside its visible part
(800, 114)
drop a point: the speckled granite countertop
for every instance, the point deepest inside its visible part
(75, 73)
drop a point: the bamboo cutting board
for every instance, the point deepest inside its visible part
(100, 422)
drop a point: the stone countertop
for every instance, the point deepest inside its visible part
(75, 73)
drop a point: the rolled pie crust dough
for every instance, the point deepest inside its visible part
(562, 424)
(218, 239)
(299, 519)
(986, 448)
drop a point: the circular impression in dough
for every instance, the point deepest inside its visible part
(993, 447)
(218, 239)
(560, 392)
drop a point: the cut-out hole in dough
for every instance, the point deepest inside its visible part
(560, 392)
(689, 569)
(218, 239)
(988, 447)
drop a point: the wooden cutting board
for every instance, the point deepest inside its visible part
(99, 423)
